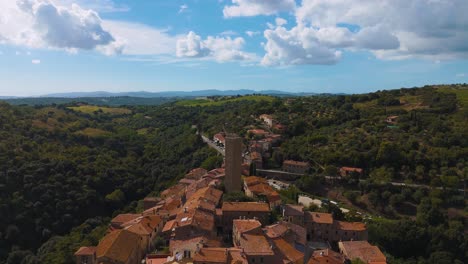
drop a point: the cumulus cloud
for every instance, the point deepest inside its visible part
(240, 8)
(61, 24)
(395, 29)
(295, 47)
(42, 23)
(390, 29)
(221, 49)
(36, 61)
(73, 28)
(280, 21)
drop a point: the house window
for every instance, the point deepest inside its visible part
(253, 260)
(261, 259)
(187, 254)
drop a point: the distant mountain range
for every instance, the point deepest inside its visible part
(144, 94)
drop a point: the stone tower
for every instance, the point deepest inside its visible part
(233, 162)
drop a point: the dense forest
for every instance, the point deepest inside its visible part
(66, 169)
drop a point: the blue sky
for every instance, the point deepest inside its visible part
(350, 46)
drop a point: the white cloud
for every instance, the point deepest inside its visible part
(138, 39)
(68, 28)
(390, 29)
(221, 49)
(101, 6)
(252, 33)
(241, 8)
(36, 61)
(396, 29)
(296, 46)
(60, 24)
(183, 8)
(280, 21)
(461, 75)
(43, 24)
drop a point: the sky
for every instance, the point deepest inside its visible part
(324, 46)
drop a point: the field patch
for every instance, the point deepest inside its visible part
(461, 92)
(90, 109)
(224, 100)
(93, 132)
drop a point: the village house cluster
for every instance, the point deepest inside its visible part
(192, 221)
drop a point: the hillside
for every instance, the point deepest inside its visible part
(66, 169)
(61, 168)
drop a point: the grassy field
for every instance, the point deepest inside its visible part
(461, 92)
(208, 102)
(93, 132)
(89, 109)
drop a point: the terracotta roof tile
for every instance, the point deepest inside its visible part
(293, 210)
(245, 207)
(326, 256)
(255, 244)
(85, 251)
(296, 163)
(321, 218)
(122, 218)
(246, 225)
(212, 255)
(253, 180)
(118, 245)
(288, 251)
(362, 250)
(289, 231)
(351, 226)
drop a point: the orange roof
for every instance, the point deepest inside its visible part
(122, 218)
(362, 250)
(255, 244)
(326, 256)
(255, 155)
(257, 131)
(351, 169)
(293, 210)
(276, 230)
(321, 218)
(169, 226)
(199, 219)
(145, 225)
(253, 180)
(218, 255)
(196, 173)
(177, 189)
(261, 189)
(85, 251)
(118, 245)
(219, 137)
(288, 231)
(296, 163)
(175, 244)
(246, 225)
(351, 226)
(288, 251)
(245, 206)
